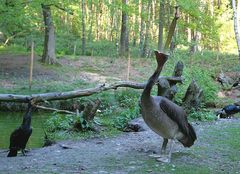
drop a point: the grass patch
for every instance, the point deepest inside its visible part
(13, 49)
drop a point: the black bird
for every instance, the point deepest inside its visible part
(236, 83)
(228, 110)
(20, 136)
(164, 117)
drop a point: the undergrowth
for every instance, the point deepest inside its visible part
(116, 110)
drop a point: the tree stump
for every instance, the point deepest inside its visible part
(193, 96)
(87, 116)
(224, 80)
(90, 110)
(168, 88)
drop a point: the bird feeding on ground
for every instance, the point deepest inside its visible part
(19, 137)
(228, 111)
(164, 117)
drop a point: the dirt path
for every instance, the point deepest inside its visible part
(217, 150)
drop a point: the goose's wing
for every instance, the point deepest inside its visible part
(15, 137)
(176, 113)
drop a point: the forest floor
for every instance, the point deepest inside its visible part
(216, 150)
(15, 69)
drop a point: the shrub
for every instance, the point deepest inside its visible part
(203, 115)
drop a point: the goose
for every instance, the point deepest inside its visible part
(19, 137)
(163, 116)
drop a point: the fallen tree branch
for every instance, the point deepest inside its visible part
(77, 93)
(53, 109)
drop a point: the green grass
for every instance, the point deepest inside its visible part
(13, 49)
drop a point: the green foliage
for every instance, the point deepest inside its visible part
(66, 122)
(116, 110)
(59, 122)
(125, 116)
(103, 19)
(129, 102)
(198, 67)
(12, 49)
(203, 115)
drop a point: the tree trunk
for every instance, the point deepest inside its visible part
(91, 22)
(236, 25)
(136, 28)
(97, 20)
(49, 55)
(188, 29)
(124, 32)
(146, 41)
(142, 27)
(83, 28)
(161, 23)
(194, 39)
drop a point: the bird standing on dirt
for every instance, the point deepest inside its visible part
(20, 136)
(163, 116)
(228, 111)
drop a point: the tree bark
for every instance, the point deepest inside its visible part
(193, 96)
(83, 28)
(136, 22)
(161, 23)
(236, 24)
(49, 55)
(146, 41)
(124, 32)
(91, 18)
(142, 27)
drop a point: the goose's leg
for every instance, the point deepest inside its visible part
(171, 148)
(166, 158)
(164, 146)
(23, 152)
(163, 156)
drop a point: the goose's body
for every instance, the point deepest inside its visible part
(19, 137)
(164, 117)
(168, 120)
(158, 120)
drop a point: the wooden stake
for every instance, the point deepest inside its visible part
(129, 66)
(31, 65)
(171, 30)
(74, 50)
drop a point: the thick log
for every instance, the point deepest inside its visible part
(193, 96)
(77, 93)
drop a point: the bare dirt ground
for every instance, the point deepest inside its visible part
(91, 69)
(129, 153)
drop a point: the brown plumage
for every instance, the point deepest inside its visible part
(164, 117)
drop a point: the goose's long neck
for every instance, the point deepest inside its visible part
(27, 117)
(151, 81)
(161, 59)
